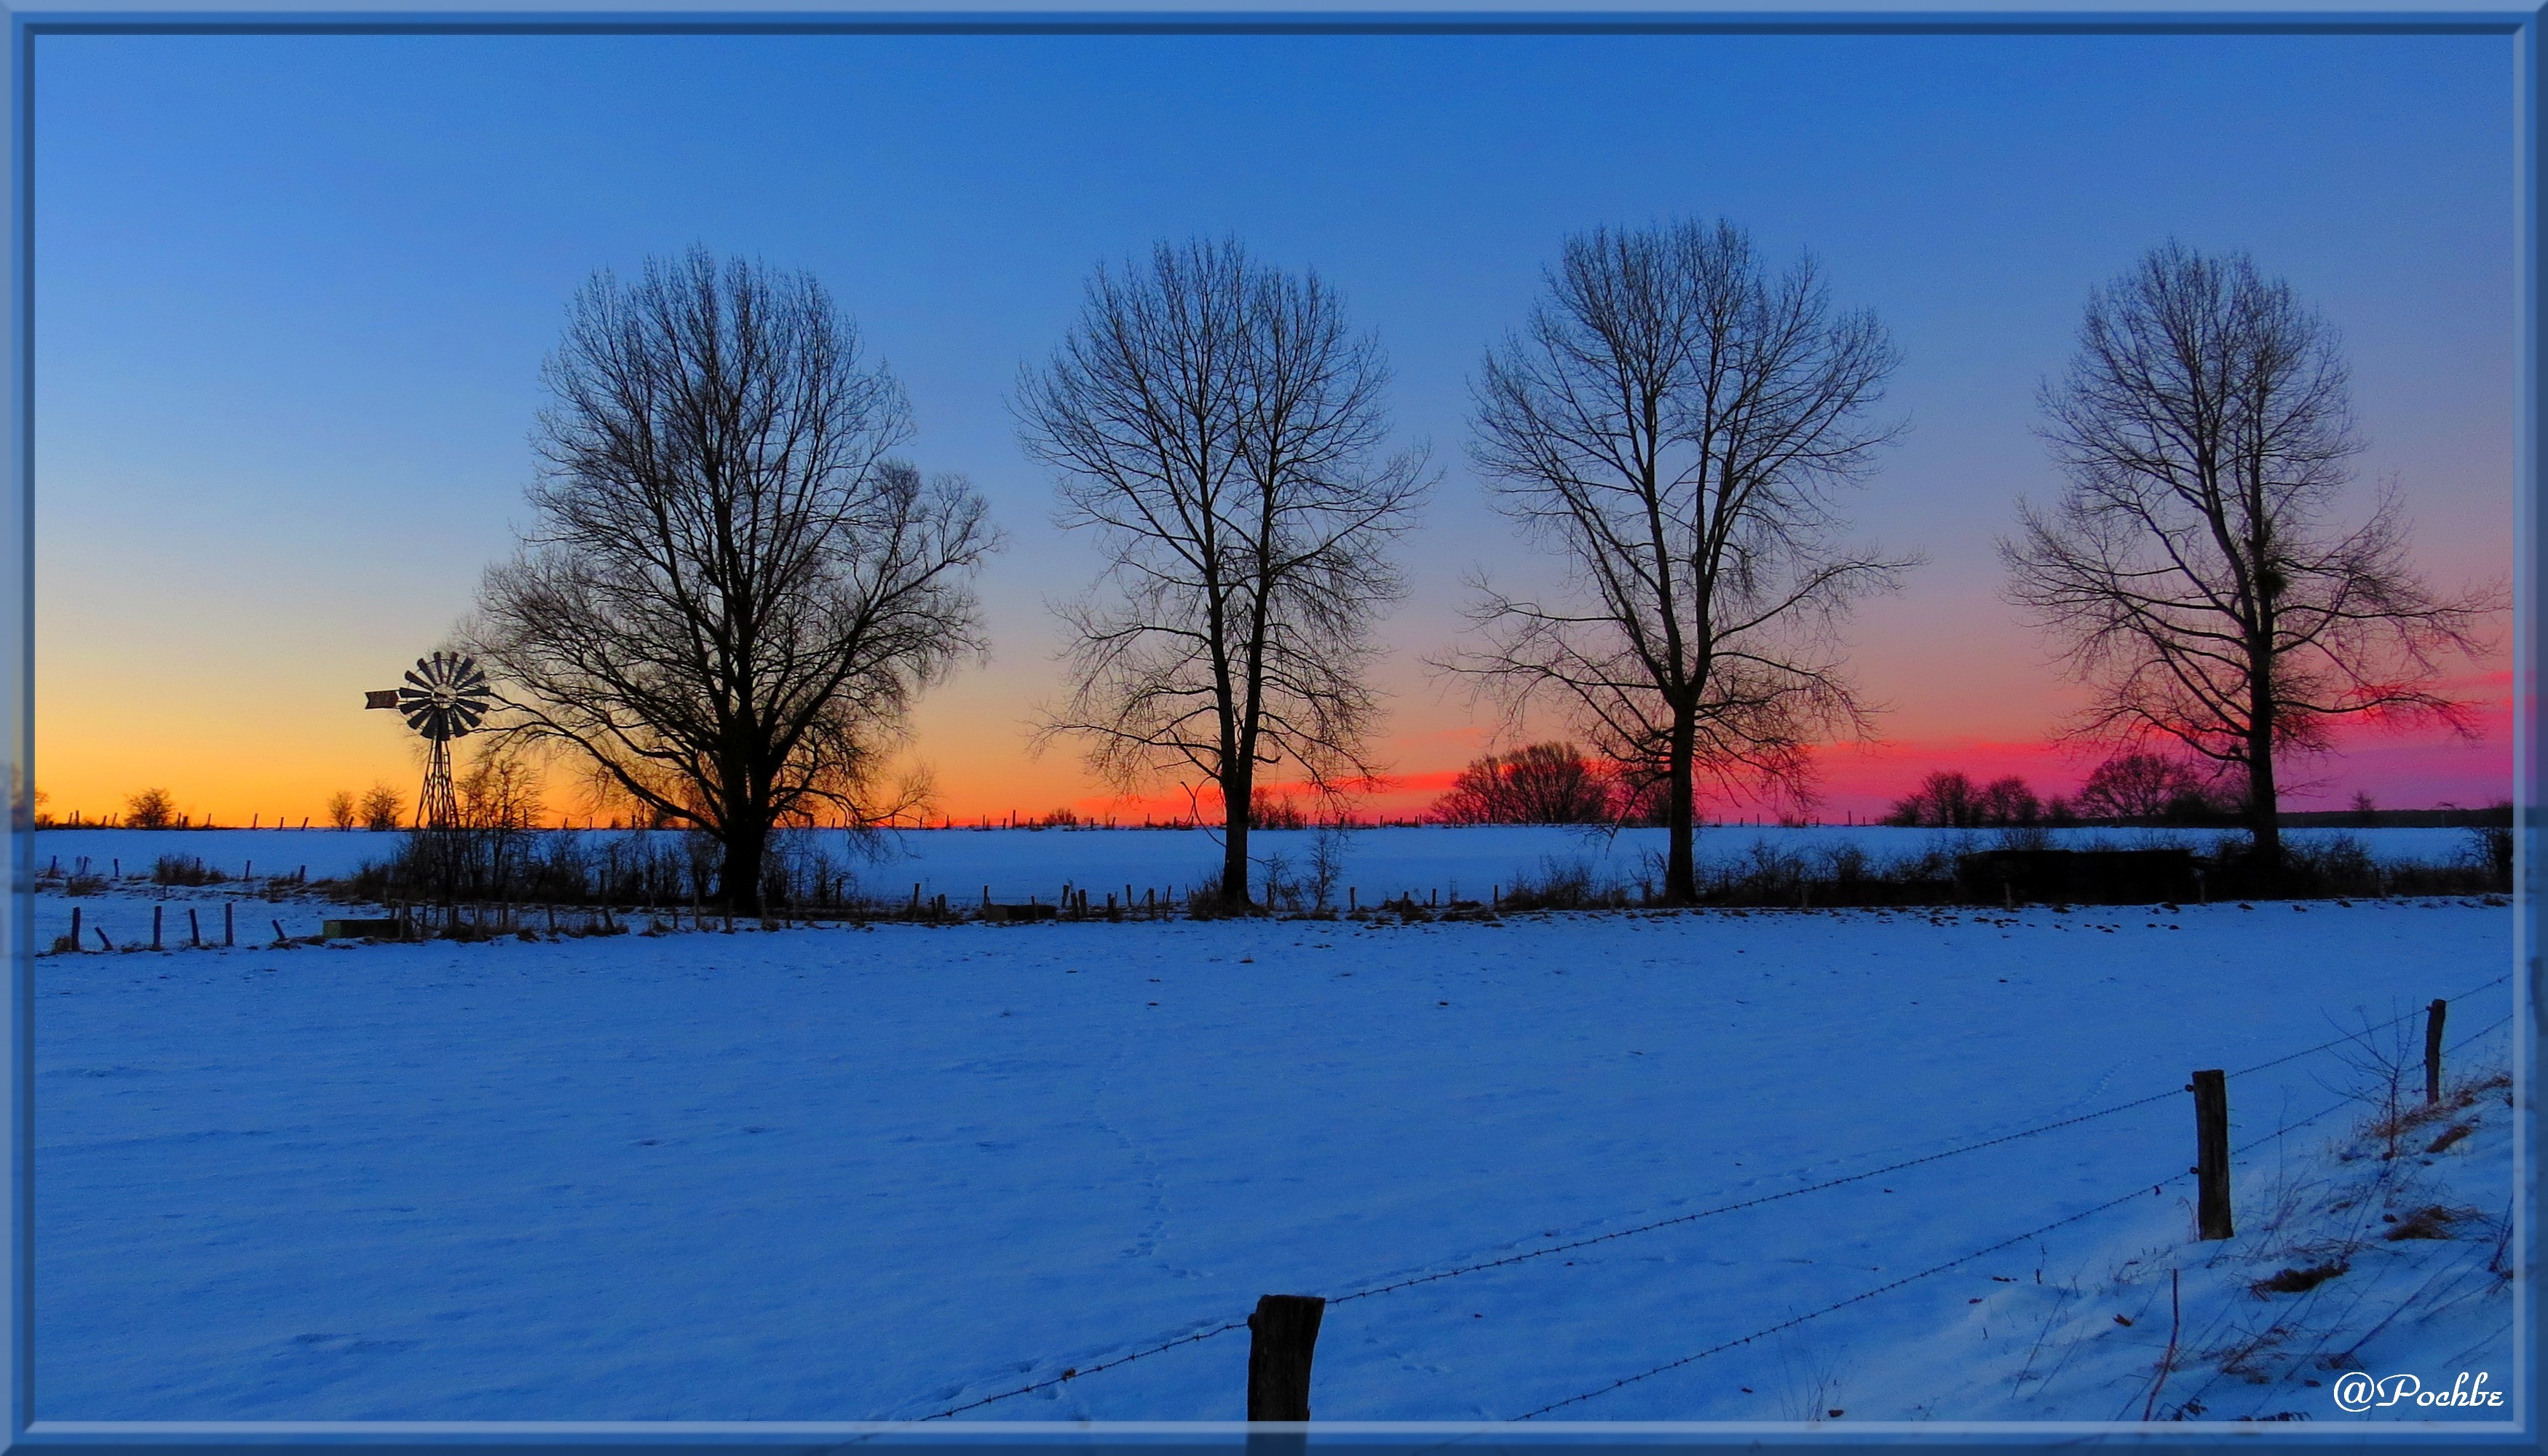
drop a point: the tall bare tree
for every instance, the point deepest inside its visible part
(1220, 425)
(730, 595)
(2194, 570)
(1677, 422)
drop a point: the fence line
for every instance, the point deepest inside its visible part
(1852, 1300)
(1077, 1372)
(1861, 1177)
(2284, 1131)
(2373, 1026)
(1564, 1247)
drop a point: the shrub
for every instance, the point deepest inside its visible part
(152, 808)
(1275, 811)
(184, 869)
(2025, 837)
(380, 807)
(1559, 885)
(2489, 847)
(2339, 864)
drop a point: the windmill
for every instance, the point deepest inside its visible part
(445, 698)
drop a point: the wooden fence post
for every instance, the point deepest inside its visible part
(227, 939)
(1283, 1335)
(193, 928)
(2210, 1091)
(154, 925)
(2433, 1051)
(75, 927)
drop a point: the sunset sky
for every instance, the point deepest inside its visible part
(293, 293)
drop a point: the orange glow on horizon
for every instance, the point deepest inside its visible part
(233, 768)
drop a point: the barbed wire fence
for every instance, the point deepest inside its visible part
(1962, 1259)
(1160, 1346)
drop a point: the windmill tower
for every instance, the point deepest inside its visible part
(446, 698)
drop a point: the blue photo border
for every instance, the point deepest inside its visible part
(1524, 17)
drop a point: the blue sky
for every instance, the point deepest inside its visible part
(293, 295)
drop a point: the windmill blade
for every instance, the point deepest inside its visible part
(420, 685)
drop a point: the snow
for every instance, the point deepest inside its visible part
(832, 1174)
(1014, 864)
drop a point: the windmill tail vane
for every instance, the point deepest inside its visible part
(446, 698)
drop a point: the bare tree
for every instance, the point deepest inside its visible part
(381, 807)
(2193, 570)
(730, 597)
(152, 808)
(1223, 429)
(1539, 784)
(340, 809)
(1676, 422)
(1949, 800)
(2137, 784)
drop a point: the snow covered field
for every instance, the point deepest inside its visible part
(829, 1174)
(1013, 864)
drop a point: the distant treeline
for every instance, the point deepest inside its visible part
(1559, 783)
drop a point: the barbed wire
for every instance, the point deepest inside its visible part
(1855, 1299)
(1507, 1260)
(2351, 1037)
(2155, 1188)
(1077, 1372)
(1748, 1202)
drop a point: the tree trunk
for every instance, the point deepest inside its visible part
(739, 877)
(1237, 805)
(1680, 870)
(2264, 820)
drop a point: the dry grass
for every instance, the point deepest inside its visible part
(2300, 1281)
(2429, 1221)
